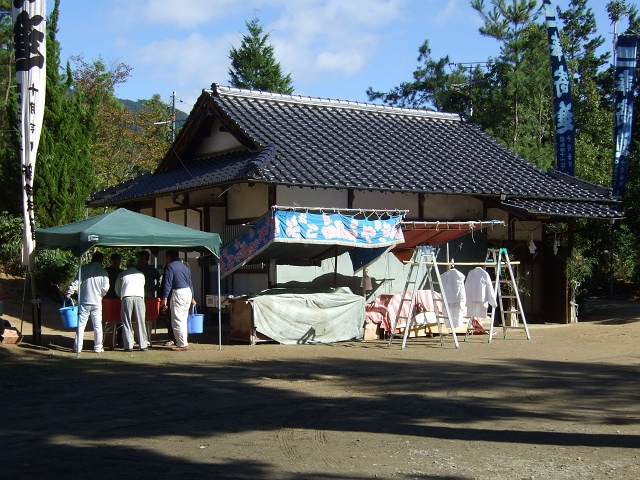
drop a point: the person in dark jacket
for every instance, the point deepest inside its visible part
(178, 282)
(165, 315)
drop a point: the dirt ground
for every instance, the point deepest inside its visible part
(562, 405)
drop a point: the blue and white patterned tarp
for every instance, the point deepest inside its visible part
(370, 236)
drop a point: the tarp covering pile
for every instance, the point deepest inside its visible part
(306, 236)
(291, 316)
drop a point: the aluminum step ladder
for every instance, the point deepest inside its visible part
(510, 305)
(423, 266)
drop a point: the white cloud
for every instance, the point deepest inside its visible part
(183, 14)
(188, 65)
(314, 38)
(452, 12)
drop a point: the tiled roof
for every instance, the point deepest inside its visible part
(562, 208)
(316, 142)
(199, 173)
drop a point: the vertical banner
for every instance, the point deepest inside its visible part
(29, 33)
(562, 103)
(626, 51)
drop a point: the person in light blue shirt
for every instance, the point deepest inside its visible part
(94, 285)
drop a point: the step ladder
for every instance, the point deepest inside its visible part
(510, 305)
(423, 265)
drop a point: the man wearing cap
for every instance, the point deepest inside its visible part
(130, 289)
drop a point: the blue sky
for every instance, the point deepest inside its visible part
(332, 48)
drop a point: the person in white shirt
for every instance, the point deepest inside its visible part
(130, 289)
(94, 284)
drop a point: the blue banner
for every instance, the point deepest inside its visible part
(562, 102)
(368, 237)
(626, 51)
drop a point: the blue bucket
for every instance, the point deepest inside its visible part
(195, 321)
(69, 315)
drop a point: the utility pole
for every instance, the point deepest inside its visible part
(172, 122)
(173, 116)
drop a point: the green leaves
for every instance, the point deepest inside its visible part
(253, 64)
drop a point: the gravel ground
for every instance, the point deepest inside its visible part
(562, 405)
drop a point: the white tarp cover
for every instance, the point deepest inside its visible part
(297, 316)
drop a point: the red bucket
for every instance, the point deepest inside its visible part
(152, 306)
(111, 310)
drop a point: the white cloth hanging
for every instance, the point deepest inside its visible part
(480, 293)
(454, 291)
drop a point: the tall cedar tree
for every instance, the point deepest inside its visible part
(254, 66)
(64, 174)
(11, 191)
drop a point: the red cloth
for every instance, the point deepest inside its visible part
(384, 308)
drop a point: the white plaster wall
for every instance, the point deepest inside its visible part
(387, 201)
(311, 197)
(452, 207)
(162, 204)
(249, 283)
(498, 233)
(528, 230)
(201, 197)
(217, 141)
(245, 202)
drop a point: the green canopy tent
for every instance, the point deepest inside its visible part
(124, 228)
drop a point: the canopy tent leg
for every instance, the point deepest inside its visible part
(78, 339)
(219, 310)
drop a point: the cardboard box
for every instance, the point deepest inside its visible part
(422, 331)
(212, 300)
(371, 331)
(11, 335)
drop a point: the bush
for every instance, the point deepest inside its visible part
(11, 229)
(55, 269)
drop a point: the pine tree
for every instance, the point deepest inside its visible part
(507, 22)
(254, 66)
(592, 112)
(432, 86)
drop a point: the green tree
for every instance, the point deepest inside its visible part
(64, 173)
(253, 64)
(592, 110)
(126, 142)
(506, 22)
(11, 193)
(432, 86)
